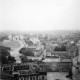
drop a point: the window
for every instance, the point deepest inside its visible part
(42, 77)
(36, 77)
(22, 78)
(25, 78)
(33, 77)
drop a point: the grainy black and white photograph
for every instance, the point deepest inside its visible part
(39, 39)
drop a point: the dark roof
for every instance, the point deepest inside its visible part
(2, 73)
(59, 52)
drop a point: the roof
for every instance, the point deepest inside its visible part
(59, 52)
(28, 72)
(2, 73)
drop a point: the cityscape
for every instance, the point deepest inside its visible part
(39, 39)
(39, 55)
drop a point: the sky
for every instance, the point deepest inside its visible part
(39, 15)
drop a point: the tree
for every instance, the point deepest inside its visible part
(24, 59)
(3, 59)
(61, 48)
(5, 55)
(11, 59)
(3, 37)
(26, 52)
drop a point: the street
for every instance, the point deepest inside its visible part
(57, 76)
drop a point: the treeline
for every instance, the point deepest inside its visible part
(3, 37)
(60, 48)
(5, 57)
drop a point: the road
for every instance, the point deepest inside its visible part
(57, 76)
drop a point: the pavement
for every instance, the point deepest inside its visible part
(57, 76)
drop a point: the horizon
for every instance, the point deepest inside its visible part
(54, 32)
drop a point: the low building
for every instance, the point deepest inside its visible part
(23, 71)
(29, 71)
(60, 53)
(51, 59)
(27, 75)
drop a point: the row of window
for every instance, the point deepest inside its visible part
(6, 68)
(41, 77)
(25, 72)
(16, 68)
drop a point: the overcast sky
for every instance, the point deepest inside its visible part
(35, 15)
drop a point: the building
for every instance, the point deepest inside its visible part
(76, 67)
(23, 71)
(27, 75)
(26, 71)
(60, 53)
(29, 72)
